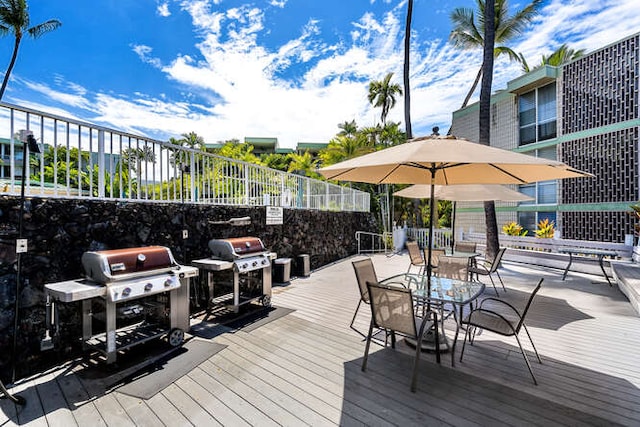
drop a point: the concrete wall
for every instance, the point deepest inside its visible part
(59, 231)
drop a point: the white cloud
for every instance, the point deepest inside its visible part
(144, 53)
(163, 9)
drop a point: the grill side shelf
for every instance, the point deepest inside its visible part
(75, 290)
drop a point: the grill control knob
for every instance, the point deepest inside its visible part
(245, 265)
(167, 283)
(126, 292)
(254, 263)
(264, 262)
(148, 287)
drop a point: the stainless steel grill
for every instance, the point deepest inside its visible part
(238, 272)
(133, 294)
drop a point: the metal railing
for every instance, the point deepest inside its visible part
(441, 237)
(373, 242)
(80, 159)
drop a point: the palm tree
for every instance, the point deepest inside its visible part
(560, 56)
(344, 147)
(490, 35)
(468, 33)
(383, 94)
(407, 45)
(348, 128)
(14, 18)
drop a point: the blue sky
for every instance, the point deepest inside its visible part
(291, 69)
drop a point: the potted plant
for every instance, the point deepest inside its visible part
(635, 212)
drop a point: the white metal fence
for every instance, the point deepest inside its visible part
(441, 237)
(79, 159)
(374, 242)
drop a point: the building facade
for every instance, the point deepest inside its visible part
(586, 114)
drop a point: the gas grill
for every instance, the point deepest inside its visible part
(129, 296)
(238, 272)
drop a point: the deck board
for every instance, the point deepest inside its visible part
(305, 368)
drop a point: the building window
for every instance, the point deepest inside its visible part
(529, 220)
(537, 114)
(543, 193)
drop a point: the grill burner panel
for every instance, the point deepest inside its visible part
(118, 292)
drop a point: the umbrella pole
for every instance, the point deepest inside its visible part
(453, 226)
(431, 214)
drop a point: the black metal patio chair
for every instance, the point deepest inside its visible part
(502, 318)
(487, 268)
(393, 310)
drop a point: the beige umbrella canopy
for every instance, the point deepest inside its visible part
(447, 160)
(464, 193)
(452, 161)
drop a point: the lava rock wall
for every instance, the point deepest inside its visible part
(59, 231)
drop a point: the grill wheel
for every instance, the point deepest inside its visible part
(176, 337)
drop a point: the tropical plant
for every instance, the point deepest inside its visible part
(635, 212)
(344, 147)
(14, 18)
(383, 94)
(303, 164)
(514, 229)
(276, 161)
(238, 151)
(560, 56)
(545, 229)
(62, 166)
(469, 30)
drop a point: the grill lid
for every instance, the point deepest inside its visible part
(236, 247)
(122, 264)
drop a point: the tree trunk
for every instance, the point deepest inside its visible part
(11, 64)
(485, 118)
(407, 47)
(474, 86)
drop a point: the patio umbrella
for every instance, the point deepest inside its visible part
(446, 160)
(463, 193)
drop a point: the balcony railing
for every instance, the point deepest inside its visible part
(80, 159)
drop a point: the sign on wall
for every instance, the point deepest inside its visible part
(275, 215)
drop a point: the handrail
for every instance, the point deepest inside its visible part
(378, 242)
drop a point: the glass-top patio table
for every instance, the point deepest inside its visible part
(443, 291)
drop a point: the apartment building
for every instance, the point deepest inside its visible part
(585, 113)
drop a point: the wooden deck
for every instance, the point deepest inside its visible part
(304, 368)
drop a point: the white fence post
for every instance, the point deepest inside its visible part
(101, 163)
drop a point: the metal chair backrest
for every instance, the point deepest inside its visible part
(496, 261)
(453, 267)
(465, 247)
(392, 309)
(526, 308)
(435, 255)
(364, 273)
(414, 253)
